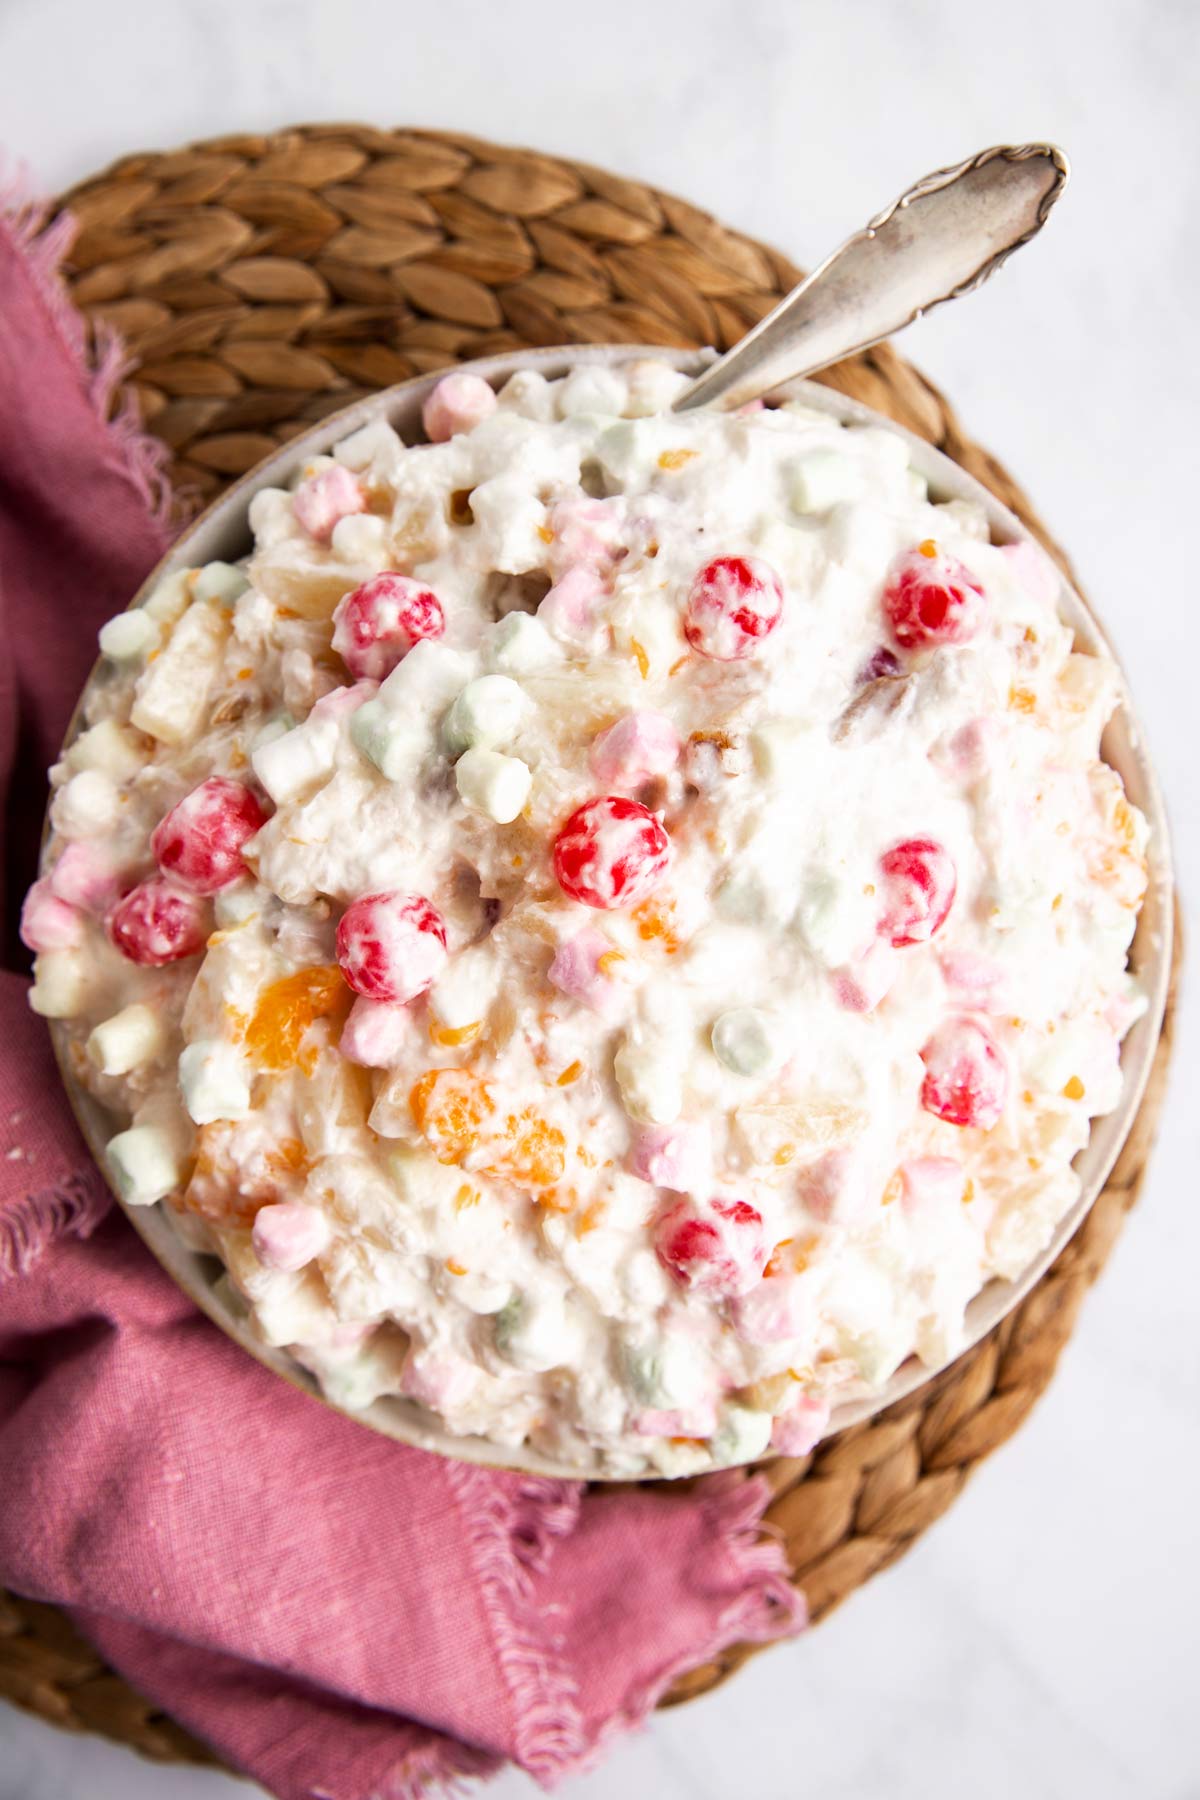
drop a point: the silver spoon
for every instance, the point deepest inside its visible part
(942, 238)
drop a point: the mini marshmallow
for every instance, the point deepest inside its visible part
(85, 806)
(520, 645)
(239, 903)
(214, 1080)
(389, 739)
(741, 1436)
(653, 387)
(457, 403)
(427, 680)
(326, 497)
(171, 698)
(577, 970)
(130, 1038)
(362, 447)
(489, 712)
(535, 1333)
(465, 989)
(143, 1164)
(287, 1235)
(220, 581)
(677, 1156)
(362, 539)
(772, 1312)
(48, 922)
(271, 517)
(109, 747)
(60, 984)
(375, 1033)
(170, 599)
(86, 875)
(497, 786)
(650, 1078)
(635, 748)
(529, 394)
(292, 763)
(569, 609)
(592, 388)
(822, 479)
(860, 986)
(800, 1429)
(130, 636)
(743, 1040)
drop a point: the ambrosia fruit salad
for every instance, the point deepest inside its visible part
(611, 925)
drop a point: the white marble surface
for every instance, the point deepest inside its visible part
(1044, 1639)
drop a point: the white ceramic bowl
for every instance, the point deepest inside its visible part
(223, 532)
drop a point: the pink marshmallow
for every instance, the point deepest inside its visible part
(576, 971)
(800, 1429)
(342, 700)
(966, 752)
(770, 1313)
(457, 403)
(569, 609)
(699, 1421)
(325, 498)
(85, 875)
(969, 973)
(860, 986)
(637, 747)
(48, 923)
(288, 1235)
(931, 1182)
(835, 1189)
(1034, 570)
(351, 1333)
(673, 1156)
(586, 531)
(375, 1033)
(439, 1382)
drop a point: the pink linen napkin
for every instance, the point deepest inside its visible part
(340, 1617)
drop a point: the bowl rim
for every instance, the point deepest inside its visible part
(1123, 746)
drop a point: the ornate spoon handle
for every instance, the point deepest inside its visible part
(942, 238)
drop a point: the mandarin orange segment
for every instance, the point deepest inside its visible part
(451, 1107)
(535, 1154)
(287, 1009)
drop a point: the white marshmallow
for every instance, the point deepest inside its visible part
(592, 389)
(131, 1037)
(520, 644)
(86, 805)
(742, 1039)
(220, 581)
(389, 739)
(489, 712)
(215, 1081)
(170, 599)
(109, 747)
(60, 984)
(823, 478)
(497, 786)
(143, 1164)
(361, 538)
(650, 1077)
(741, 1436)
(290, 763)
(362, 447)
(271, 517)
(129, 636)
(465, 990)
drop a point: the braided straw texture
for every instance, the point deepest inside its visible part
(262, 282)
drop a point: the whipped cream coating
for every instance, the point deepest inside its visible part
(663, 1156)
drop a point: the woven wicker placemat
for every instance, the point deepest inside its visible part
(262, 282)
